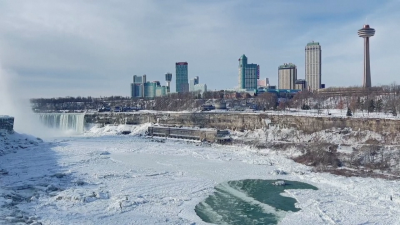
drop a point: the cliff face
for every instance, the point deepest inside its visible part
(315, 124)
(7, 123)
(243, 121)
(370, 144)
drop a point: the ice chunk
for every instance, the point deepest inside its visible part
(279, 183)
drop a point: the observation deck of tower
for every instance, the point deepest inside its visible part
(366, 32)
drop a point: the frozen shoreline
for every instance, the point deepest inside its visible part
(103, 178)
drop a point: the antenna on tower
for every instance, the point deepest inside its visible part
(366, 20)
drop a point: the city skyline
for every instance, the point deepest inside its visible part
(79, 48)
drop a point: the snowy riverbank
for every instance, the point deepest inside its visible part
(105, 178)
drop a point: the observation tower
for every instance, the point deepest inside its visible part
(366, 32)
(168, 78)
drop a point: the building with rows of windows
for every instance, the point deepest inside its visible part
(287, 76)
(140, 88)
(182, 83)
(313, 66)
(248, 74)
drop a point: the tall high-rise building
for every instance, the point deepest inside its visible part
(366, 32)
(313, 65)
(137, 87)
(182, 84)
(150, 89)
(193, 82)
(287, 76)
(248, 74)
(139, 79)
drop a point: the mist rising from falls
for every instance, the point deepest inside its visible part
(14, 101)
(74, 122)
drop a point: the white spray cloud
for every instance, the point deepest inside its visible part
(8, 102)
(14, 101)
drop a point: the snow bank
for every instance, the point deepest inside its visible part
(12, 142)
(98, 130)
(106, 178)
(14, 187)
(144, 182)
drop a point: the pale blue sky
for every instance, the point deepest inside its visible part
(93, 48)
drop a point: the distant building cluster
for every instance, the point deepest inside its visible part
(249, 75)
(141, 88)
(194, 86)
(287, 73)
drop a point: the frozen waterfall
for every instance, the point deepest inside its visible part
(64, 121)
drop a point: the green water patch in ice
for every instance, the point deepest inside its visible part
(249, 202)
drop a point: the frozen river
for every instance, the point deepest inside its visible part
(112, 179)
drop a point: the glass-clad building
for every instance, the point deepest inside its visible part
(248, 74)
(182, 83)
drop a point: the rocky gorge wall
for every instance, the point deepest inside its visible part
(7, 123)
(247, 121)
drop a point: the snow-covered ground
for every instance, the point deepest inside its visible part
(291, 111)
(334, 113)
(105, 178)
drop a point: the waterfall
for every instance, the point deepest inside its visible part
(64, 121)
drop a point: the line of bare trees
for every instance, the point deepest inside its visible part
(384, 99)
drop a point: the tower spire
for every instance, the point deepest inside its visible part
(366, 32)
